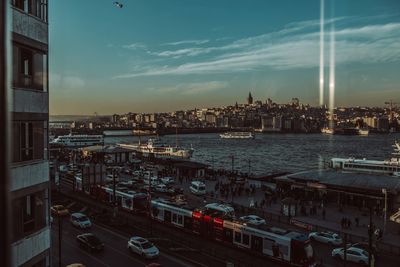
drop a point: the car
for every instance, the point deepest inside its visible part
(357, 255)
(59, 210)
(153, 180)
(80, 220)
(90, 242)
(365, 246)
(326, 237)
(253, 219)
(198, 188)
(161, 188)
(143, 247)
(167, 180)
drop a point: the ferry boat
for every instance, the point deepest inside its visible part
(78, 140)
(327, 130)
(155, 147)
(389, 167)
(237, 135)
(363, 132)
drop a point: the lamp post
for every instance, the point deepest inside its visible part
(384, 191)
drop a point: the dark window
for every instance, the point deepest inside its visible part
(28, 140)
(238, 237)
(29, 214)
(246, 239)
(37, 8)
(29, 68)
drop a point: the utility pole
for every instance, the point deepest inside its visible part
(114, 185)
(384, 191)
(370, 231)
(59, 240)
(345, 250)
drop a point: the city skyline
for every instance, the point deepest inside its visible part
(206, 56)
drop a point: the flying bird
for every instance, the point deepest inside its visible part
(118, 4)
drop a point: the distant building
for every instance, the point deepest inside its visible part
(250, 99)
(271, 123)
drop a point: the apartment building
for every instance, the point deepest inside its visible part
(29, 174)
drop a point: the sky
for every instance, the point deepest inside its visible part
(166, 55)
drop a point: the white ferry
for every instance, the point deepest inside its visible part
(362, 131)
(78, 140)
(237, 135)
(327, 130)
(390, 167)
(155, 147)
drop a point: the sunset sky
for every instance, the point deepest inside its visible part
(158, 55)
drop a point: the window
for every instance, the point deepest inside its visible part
(29, 68)
(29, 214)
(238, 237)
(246, 239)
(37, 8)
(28, 140)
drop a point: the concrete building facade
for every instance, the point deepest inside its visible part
(29, 177)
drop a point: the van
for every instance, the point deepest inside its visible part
(198, 188)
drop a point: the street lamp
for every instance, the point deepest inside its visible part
(384, 191)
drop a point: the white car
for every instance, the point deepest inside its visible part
(167, 180)
(326, 237)
(153, 180)
(143, 247)
(357, 255)
(198, 188)
(253, 219)
(80, 220)
(162, 188)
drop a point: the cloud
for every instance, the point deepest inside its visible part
(193, 88)
(134, 46)
(295, 46)
(195, 42)
(66, 82)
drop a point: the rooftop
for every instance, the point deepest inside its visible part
(348, 179)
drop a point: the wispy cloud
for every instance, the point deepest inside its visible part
(66, 82)
(194, 88)
(183, 42)
(134, 46)
(294, 46)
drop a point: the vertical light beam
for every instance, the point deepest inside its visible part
(332, 71)
(321, 56)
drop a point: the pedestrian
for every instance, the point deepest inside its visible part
(349, 223)
(357, 221)
(323, 214)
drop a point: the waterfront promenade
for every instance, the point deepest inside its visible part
(271, 211)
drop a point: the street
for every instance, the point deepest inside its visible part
(115, 251)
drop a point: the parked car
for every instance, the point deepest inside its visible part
(357, 255)
(90, 242)
(365, 246)
(143, 247)
(167, 180)
(198, 188)
(59, 210)
(326, 237)
(253, 219)
(80, 220)
(153, 180)
(161, 188)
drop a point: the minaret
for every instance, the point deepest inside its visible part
(249, 99)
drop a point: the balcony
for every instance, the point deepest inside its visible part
(29, 26)
(29, 173)
(33, 101)
(30, 246)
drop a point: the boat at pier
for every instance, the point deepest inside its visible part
(158, 149)
(80, 140)
(237, 135)
(388, 167)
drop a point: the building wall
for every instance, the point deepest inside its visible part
(29, 183)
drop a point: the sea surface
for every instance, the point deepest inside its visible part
(270, 153)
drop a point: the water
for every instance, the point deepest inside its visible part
(270, 153)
